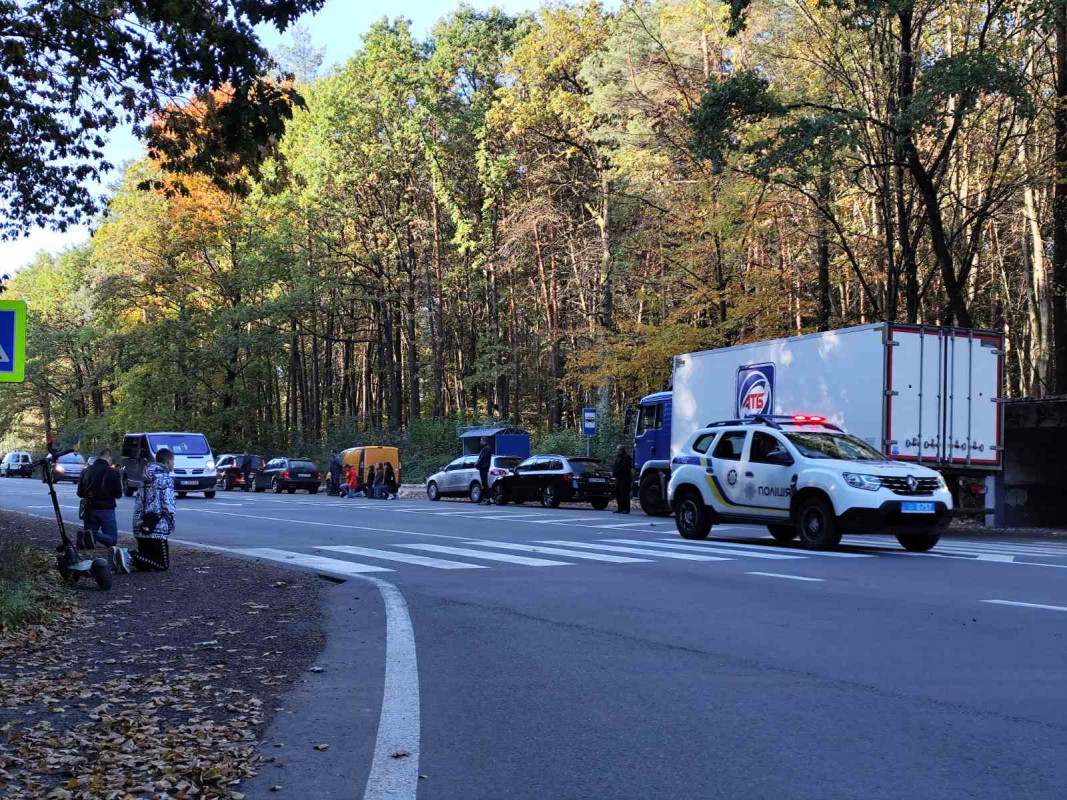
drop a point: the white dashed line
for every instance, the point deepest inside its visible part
(790, 577)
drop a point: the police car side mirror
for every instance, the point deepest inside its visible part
(780, 458)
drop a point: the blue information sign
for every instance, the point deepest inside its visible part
(588, 422)
(12, 341)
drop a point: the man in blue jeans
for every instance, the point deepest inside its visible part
(100, 487)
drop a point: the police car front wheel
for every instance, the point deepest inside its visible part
(817, 524)
(783, 533)
(692, 518)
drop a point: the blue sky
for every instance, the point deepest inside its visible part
(338, 27)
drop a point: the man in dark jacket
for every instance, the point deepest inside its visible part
(100, 486)
(335, 473)
(622, 469)
(485, 458)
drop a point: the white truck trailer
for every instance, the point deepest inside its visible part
(920, 394)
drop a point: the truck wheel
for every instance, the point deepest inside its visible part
(817, 525)
(692, 520)
(783, 533)
(650, 495)
(918, 542)
(431, 491)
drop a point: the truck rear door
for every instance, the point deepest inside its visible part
(942, 386)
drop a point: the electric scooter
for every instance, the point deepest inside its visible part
(70, 564)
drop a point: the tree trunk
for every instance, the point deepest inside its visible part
(1059, 206)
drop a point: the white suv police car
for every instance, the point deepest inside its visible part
(802, 476)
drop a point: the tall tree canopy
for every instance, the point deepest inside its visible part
(70, 73)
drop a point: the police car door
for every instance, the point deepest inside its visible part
(768, 472)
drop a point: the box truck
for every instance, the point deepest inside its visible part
(917, 393)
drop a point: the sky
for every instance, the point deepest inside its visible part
(338, 27)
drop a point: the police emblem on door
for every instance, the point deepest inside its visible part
(755, 390)
(731, 478)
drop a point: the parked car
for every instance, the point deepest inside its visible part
(459, 478)
(68, 468)
(554, 479)
(364, 457)
(194, 465)
(231, 470)
(288, 474)
(16, 463)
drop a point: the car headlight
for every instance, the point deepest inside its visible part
(871, 483)
(209, 465)
(59, 468)
(942, 484)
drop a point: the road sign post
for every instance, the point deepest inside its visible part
(589, 422)
(12, 341)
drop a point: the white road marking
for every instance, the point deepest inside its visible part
(771, 548)
(556, 551)
(407, 558)
(628, 525)
(323, 524)
(1025, 605)
(790, 577)
(704, 548)
(332, 566)
(462, 551)
(640, 551)
(398, 723)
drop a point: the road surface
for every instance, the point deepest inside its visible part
(569, 653)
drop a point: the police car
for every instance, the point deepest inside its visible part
(802, 476)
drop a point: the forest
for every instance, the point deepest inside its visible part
(523, 215)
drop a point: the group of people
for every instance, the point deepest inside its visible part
(154, 506)
(380, 482)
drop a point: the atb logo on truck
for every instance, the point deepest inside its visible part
(755, 390)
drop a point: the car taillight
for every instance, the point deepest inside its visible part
(568, 476)
(497, 471)
(318, 476)
(286, 474)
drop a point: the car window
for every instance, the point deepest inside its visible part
(225, 462)
(302, 465)
(470, 462)
(647, 418)
(833, 445)
(763, 444)
(181, 444)
(703, 442)
(71, 458)
(556, 465)
(504, 462)
(730, 446)
(582, 466)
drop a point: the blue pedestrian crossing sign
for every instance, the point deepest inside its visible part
(12, 341)
(589, 421)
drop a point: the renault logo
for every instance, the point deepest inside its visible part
(912, 484)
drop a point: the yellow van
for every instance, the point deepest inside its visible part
(365, 457)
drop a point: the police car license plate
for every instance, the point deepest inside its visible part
(917, 508)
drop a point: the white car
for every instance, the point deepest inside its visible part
(461, 479)
(802, 476)
(16, 462)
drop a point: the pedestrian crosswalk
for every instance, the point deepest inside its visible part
(483, 554)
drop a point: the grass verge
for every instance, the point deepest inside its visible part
(26, 584)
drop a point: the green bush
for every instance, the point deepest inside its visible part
(24, 584)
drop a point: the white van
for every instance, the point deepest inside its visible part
(194, 466)
(17, 462)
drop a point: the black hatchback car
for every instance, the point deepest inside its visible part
(553, 479)
(235, 471)
(287, 474)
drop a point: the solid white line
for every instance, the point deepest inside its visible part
(1025, 605)
(703, 548)
(556, 551)
(462, 551)
(628, 525)
(406, 558)
(334, 566)
(393, 775)
(790, 577)
(641, 551)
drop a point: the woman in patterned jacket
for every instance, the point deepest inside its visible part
(153, 518)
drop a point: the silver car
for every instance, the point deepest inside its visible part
(461, 479)
(68, 468)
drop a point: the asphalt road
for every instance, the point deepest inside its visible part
(569, 653)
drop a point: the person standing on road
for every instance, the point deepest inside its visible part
(623, 470)
(153, 518)
(485, 458)
(335, 473)
(390, 482)
(100, 486)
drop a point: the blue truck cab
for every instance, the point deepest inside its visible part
(652, 453)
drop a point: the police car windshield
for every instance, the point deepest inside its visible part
(181, 444)
(833, 445)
